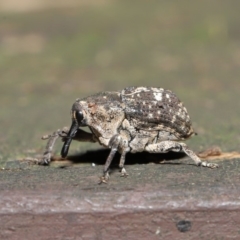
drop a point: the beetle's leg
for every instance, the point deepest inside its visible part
(196, 159)
(80, 136)
(121, 164)
(166, 146)
(114, 142)
(46, 159)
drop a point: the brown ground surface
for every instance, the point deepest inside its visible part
(170, 200)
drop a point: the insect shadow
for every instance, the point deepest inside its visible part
(99, 157)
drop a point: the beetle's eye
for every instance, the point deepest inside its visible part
(79, 116)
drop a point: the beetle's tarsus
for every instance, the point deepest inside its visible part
(124, 172)
(209, 165)
(104, 178)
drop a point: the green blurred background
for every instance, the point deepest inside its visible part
(53, 53)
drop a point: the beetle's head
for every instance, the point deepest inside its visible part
(78, 114)
(77, 121)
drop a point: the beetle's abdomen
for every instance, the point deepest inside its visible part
(154, 109)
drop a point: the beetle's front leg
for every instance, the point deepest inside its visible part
(46, 158)
(79, 136)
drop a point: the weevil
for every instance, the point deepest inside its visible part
(133, 120)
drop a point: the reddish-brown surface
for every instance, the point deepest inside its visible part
(175, 200)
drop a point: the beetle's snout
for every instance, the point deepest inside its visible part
(70, 136)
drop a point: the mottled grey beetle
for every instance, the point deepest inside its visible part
(134, 120)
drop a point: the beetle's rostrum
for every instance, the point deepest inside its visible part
(135, 119)
(77, 118)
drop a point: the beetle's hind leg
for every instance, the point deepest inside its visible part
(196, 159)
(166, 146)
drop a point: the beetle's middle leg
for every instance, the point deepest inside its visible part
(166, 146)
(113, 144)
(121, 164)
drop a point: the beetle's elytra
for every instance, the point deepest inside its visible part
(135, 119)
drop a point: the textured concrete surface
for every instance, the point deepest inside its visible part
(173, 200)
